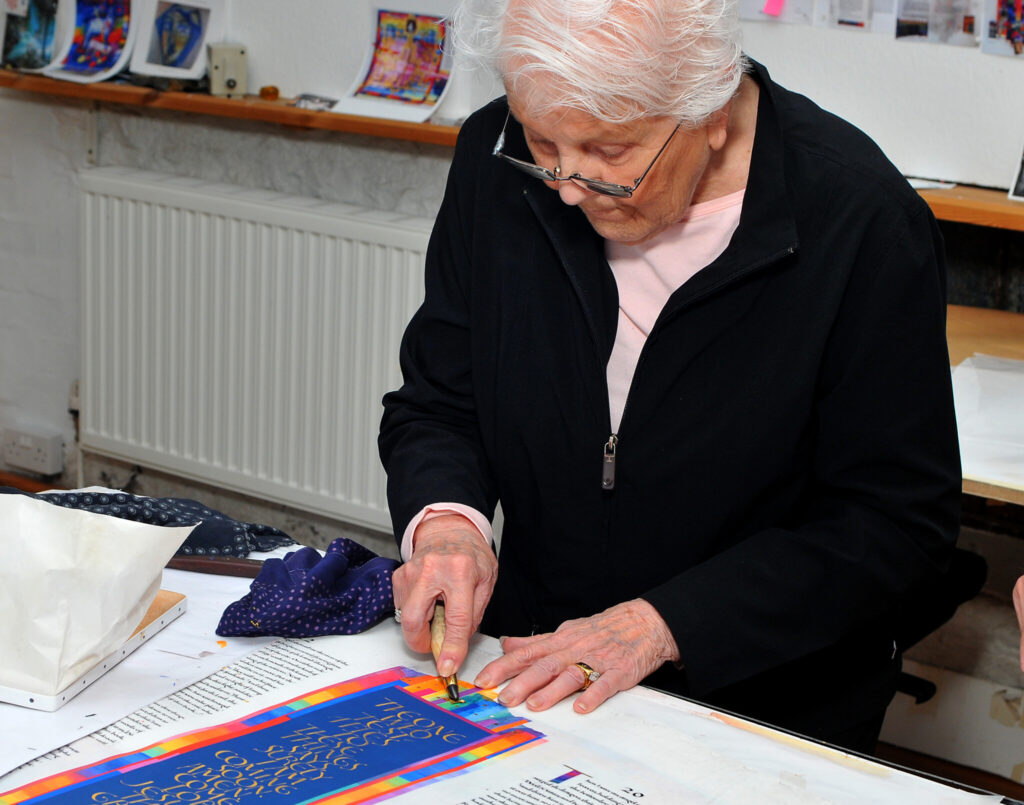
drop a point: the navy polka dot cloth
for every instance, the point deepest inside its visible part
(344, 592)
(215, 535)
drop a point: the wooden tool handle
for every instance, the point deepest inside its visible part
(437, 630)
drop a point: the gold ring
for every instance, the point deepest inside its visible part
(589, 674)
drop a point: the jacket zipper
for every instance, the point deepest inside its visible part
(608, 467)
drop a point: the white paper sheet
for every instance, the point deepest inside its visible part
(989, 397)
(640, 746)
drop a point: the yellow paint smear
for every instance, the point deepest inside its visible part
(809, 747)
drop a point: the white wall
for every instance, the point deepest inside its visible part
(938, 111)
(42, 143)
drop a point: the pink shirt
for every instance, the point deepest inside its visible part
(646, 276)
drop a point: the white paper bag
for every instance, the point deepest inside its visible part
(74, 586)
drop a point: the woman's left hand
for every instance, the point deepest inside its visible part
(623, 644)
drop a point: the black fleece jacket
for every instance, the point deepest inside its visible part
(787, 473)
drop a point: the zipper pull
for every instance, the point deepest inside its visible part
(608, 467)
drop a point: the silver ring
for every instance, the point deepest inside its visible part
(398, 615)
(590, 676)
(558, 170)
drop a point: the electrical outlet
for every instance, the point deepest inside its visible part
(227, 70)
(33, 451)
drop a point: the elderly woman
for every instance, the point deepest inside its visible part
(688, 329)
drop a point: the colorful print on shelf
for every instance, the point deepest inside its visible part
(101, 31)
(179, 30)
(173, 36)
(407, 59)
(28, 41)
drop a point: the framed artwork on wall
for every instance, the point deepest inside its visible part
(172, 37)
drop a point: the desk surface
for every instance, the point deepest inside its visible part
(641, 741)
(990, 332)
(976, 329)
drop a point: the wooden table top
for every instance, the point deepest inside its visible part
(991, 332)
(976, 329)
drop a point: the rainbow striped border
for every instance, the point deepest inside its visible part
(479, 707)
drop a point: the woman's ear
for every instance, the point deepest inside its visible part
(718, 128)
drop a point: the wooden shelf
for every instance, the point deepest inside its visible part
(248, 108)
(976, 205)
(961, 204)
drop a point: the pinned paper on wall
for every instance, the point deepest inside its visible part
(359, 741)
(951, 22)
(800, 12)
(172, 37)
(1003, 28)
(406, 68)
(98, 43)
(850, 14)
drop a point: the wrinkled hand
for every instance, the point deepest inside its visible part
(452, 562)
(624, 644)
(1018, 604)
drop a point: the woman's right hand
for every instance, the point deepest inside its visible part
(453, 563)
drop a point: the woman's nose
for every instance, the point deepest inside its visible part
(571, 193)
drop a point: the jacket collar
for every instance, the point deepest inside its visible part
(767, 224)
(579, 247)
(767, 229)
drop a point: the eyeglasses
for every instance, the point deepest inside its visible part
(594, 185)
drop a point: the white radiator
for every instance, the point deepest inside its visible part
(244, 338)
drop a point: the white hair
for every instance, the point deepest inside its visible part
(617, 60)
